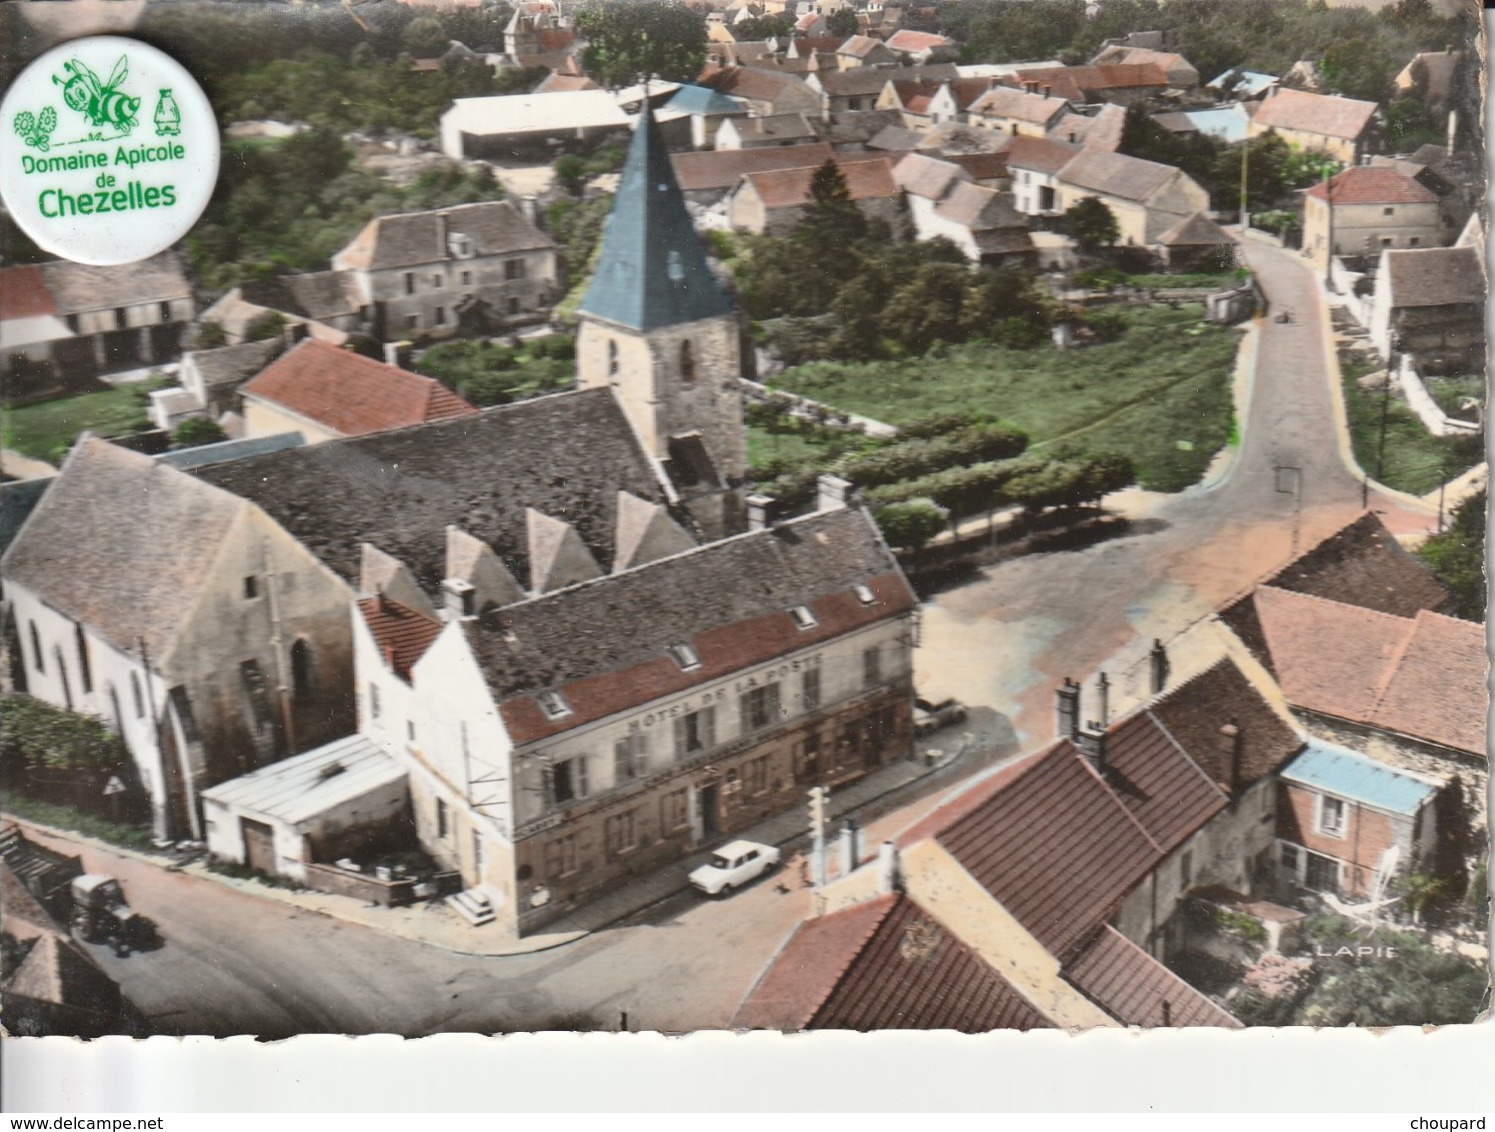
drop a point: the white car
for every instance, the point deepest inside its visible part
(733, 865)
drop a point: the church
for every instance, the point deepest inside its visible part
(573, 639)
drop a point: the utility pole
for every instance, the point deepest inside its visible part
(1245, 214)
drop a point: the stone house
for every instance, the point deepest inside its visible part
(766, 92)
(864, 51)
(1120, 83)
(944, 202)
(1146, 198)
(774, 203)
(760, 133)
(1430, 302)
(324, 393)
(472, 268)
(1196, 243)
(1363, 210)
(918, 47)
(860, 88)
(183, 617)
(1027, 112)
(1178, 70)
(76, 318)
(707, 177)
(1342, 128)
(1034, 164)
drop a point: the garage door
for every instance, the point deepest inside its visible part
(259, 845)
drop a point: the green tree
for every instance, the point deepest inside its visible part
(198, 430)
(1410, 123)
(912, 524)
(1091, 223)
(842, 22)
(425, 37)
(1357, 68)
(628, 43)
(1457, 557)
(37, 734)
(764, 27)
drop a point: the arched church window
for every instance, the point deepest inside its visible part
(612, 358)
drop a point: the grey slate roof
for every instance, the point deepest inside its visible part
(567, 456)
(652, 269)
(122, 543)
(77, 287)
(1116, 174)
(408, 239)
(231, 365)
(1434, 277)
(624, 619)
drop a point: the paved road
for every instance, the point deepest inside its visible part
(234, 963)
(1005, 639)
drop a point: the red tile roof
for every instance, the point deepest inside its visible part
(722, 651)
(981, 166)
(1372, 184)
(24, 294)
(723, 168)
(1164, 790)
(402, 634)
(1056, 848)
(1423, 677)
(905, 40)
(350, 394)
(884, 965)
(867, 178)
(1327, 115)
(1135, 988)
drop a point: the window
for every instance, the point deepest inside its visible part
(1331, 816)
(67, 688)
(569, 780)
(620, 833)
(674, 811)
(436, 281)
(803, 618)
(257, 692)
(612, 358)
(1186, 869)
(409, 282)
(514, 304)
(756, 775)
(560, 856)
(630, 758)
(809, 689)
(121, 318)
(514, 269)
(1413, 241)
(373, 700)
(85, 669)
(119, 716)
(251, 587)
(760, 708)
(1290, 860)
(443, 824)
(1322, 874)
(695, 732)
(410, 730)
(164, 312)
(554, 705)
(412, 322)
(872, 667)
(36, 648)
(301, 683)
(440, 316)
(135, 692)
(864, 594)
(466, 278)
(684, 656)
(809, 758)
(1386, 242)
(1388, 212)
(687, 365)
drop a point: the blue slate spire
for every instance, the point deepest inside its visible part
(652, 270)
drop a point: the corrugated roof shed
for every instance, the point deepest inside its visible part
(1345, 774)
(305, 786)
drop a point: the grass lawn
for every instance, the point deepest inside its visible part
(1415, 460)
(65, 817)
(1159, 394)
(764, 446)
(45, 431)
(1213, 280)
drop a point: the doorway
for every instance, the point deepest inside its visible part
(710, 824)
(259, 845)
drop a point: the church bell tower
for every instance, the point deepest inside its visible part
(657, 328)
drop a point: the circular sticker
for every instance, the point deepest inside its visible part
(112, 151)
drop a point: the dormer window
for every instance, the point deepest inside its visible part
(803, 618)
(684, 656)
(864, 594)
(554, 705)
(460, 246)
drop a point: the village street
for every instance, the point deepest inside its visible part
(237, 963)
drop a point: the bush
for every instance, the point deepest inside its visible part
(36, 734)
(1019, 333)
(912, 524)
(198, 430)
(911, 459)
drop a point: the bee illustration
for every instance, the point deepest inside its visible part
(35, 128)
(101, 103)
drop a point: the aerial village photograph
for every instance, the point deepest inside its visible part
(788, 515)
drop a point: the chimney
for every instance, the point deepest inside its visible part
(399, 354)
(1231, 733)
(293, 332)
(1103, 695)
(1159, 662)
(887, 868)
(1091, 742)
(442, 247)
(460, 599)
(529, 205)
(833, 493)
(1067, 709)
(760, 510)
